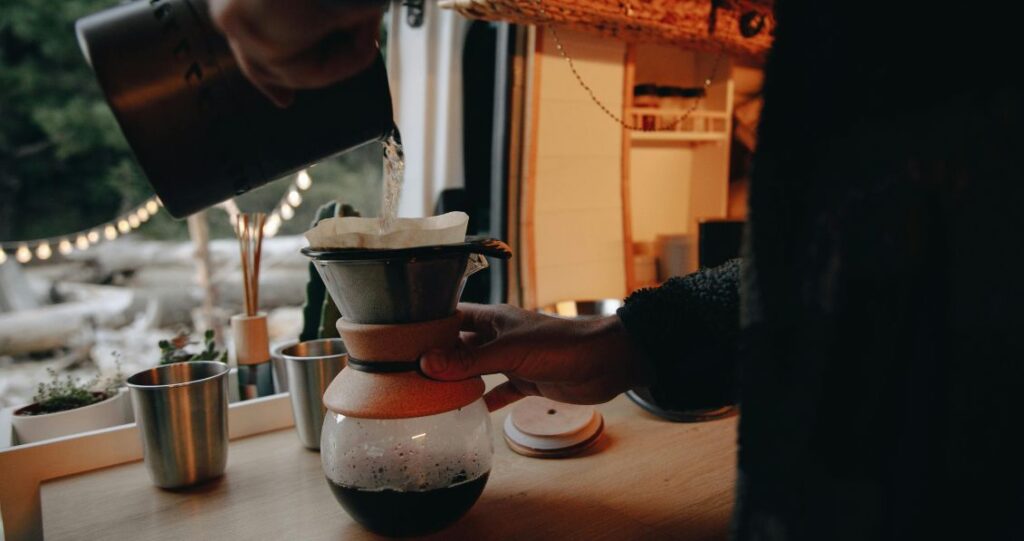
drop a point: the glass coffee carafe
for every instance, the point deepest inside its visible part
(403, 454)
(409, 476)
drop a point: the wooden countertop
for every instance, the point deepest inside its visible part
(647, 479)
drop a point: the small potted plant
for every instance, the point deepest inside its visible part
(177, 350)
(180, 350)
(67, 405)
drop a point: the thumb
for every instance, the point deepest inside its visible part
(467, 361)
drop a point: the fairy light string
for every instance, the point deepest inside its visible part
(43, 249)
(25, 251)
(283, 211)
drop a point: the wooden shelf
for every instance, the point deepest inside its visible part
(681, 174)
(699, 126)
(677, 137)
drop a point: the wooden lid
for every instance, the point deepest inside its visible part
(542, 428)
(397, 395)
(382, 380)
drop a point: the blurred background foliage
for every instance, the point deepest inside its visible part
(64, 164)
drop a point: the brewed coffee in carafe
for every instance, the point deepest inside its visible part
(402, 477)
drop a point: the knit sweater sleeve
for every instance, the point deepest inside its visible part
(688, 332)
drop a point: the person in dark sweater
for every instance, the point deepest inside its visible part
(870, 331)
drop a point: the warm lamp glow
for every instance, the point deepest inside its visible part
(272, 226)
(43, 251)
(303, 181)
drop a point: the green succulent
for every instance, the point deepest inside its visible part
(176, 350)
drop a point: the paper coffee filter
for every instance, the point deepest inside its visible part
(354, 232)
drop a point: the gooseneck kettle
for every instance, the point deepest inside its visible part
(200, 130)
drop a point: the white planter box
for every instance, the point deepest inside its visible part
(110, 412)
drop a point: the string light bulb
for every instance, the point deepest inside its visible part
(287, 213)
(294, 199)
(303, 181)
(273, 225)
(43, 251)
(3, 256)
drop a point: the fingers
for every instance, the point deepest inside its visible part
(338, 56)
(286, 46)
(474, 339)
(467, 361)
(263, 80)
(478, 318)
(502, 395)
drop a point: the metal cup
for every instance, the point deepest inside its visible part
(280, 372)
(311, 367)
(182, 413)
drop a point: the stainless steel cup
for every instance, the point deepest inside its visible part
(280, 372)
(311, 367)
(182, 413)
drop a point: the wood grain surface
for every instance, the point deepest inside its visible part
(647, 479)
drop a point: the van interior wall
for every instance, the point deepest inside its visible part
(577, 184)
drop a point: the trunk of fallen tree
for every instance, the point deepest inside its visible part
(50, 327)
(15, 291)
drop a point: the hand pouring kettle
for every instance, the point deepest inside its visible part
(199, 129)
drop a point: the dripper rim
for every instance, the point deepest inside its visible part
(480, 245)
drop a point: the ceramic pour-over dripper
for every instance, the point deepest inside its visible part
(403, 454)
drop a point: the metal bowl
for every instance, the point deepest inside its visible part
(583, 309)
(641, 396)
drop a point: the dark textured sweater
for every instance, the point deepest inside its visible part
(879, 360)
(696, 316)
